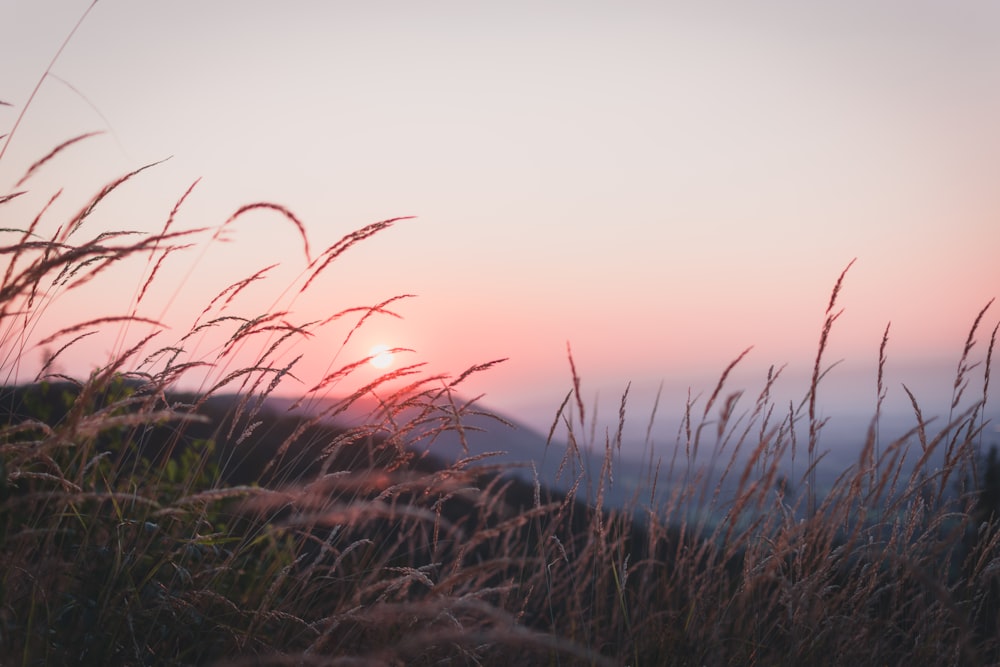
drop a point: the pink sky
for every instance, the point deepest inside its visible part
(660, 184)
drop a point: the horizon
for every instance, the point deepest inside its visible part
(658, 186)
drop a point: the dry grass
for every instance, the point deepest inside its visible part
(140, 525)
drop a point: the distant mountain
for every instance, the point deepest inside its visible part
(495, 439)
(492, 439)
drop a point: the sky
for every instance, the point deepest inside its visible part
(659, 185)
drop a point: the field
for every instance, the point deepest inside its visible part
(142, 524)
(161, 510)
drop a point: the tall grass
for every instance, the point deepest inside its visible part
(142, 524)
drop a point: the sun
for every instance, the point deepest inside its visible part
(381, 356)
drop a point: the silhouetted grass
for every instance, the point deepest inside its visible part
(144, 525)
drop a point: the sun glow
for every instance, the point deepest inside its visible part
(381, 356)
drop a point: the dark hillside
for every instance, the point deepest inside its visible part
(205, 529)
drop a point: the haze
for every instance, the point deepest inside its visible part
(661, 184)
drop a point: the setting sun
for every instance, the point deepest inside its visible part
(381, 356)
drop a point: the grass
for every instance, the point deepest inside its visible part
(141, 524)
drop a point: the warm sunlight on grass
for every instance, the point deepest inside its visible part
(144, 525)
(143, 522)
